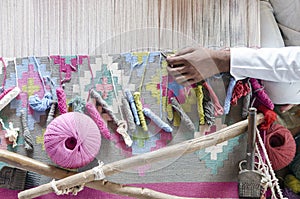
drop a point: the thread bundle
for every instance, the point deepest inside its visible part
(61, 100)
(280, 146)
(72, 140)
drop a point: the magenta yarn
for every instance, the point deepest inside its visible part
(61, 100)
(72, 140)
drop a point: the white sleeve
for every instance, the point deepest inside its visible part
(272, 64)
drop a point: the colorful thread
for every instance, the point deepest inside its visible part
(260, 93)
(133, 107)
(199, 96)
(293, 183)
(95, 115)
(208, 107)
(184, 117)
(240, 89)
(229, 95)
(61, 100)
(11, 133)
(247, 101)
(28, 144)
(77, 104)
(139, 107)
(72, 140)
(219, 110)
(51, 113)
(128, 115)
(159, 122)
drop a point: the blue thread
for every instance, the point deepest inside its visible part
(133, 107)
(159, 122)
(40, 105)
(229, 95)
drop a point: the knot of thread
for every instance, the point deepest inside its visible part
(139, 107)
(260, 93)
(159, 122)
(40, 105)
(11, 133)
(133, 107)
(229, 95)
(73, 190)
(26, 133)
(95, 115)
(61, 100)
(122, 130)
(98, 171)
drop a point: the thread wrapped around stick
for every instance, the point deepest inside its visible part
(199, 96)
(61, 100)
(208, 107)
(280, 146)
(51, 113)
(229, 95)
(133, 107)
(261, 95)
(95, 115)
(9, 96)
(72, 140)
(26, 133)
(159, 122)
(128, 115)
(139, 107)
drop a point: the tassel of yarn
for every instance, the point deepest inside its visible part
(26, 133)
(11, 133)
(199, 96)
(40, 105)
(184, 117)
(219, 110)
(95, 115)
(78, 104)
(260, 93)
(139, 107)
(61, 100)
(209, 108)
(159, 122)
(51, 113)
(269, 117)
(105, 106)
(240, 89)
(128, 115)
(229, 95)
(133, 107)
(292, 182)
(9, 96)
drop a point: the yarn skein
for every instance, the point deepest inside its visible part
(61, 100)
(159, 122)
(128, 115)
(280, 146)
(72, 140)
(139, 107)
(133, 107)
(95, 115)
(199, 96)
(260, 93)
(229, 95)
(28, 139)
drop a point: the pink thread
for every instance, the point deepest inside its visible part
(280, 146)
(261, 94)
(217, 106)
(95, 115)
(72, 140)
(61, 100)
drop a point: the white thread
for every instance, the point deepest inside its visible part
(73, 190)
(98, 171)
(11, 133)
(122, 130)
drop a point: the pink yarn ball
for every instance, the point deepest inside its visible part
(72, 140)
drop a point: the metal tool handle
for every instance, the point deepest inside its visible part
(251, 138)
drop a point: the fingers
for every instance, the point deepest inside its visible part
(176, 61)
(184, 76)
(185, 51)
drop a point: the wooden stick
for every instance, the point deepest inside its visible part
(175, 150)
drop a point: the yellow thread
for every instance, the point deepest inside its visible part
(169, 110)
(139, 108)
(177, 119)
(293, 183)
(199, 96)
(140, 56)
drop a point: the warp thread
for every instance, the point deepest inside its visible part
(139, 107)
(219, 110)
(9, 96)
(229, 95)
(280, 146)
(26, 133)
(159, 122)
(199, 96)
(40, 105)
(105, 106)
(51, 113)
(95, 115)
(61, 100)
(133, 107)
(292, 182)
(11, 132)
(128, 115)
(184, 117)
(72, 140)
(78, 104)
(208, 107)
(261, 95)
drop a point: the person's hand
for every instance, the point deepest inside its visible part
(194, 64)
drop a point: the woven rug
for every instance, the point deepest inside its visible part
(196, 174)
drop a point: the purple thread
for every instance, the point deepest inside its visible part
(72, 140)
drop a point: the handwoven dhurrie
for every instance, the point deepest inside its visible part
(110, 76)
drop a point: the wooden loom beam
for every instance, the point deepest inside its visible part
(189, 146)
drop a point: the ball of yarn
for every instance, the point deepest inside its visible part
(72, 140)
(280, 146)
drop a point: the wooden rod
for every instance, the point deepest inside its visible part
(175, 150)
